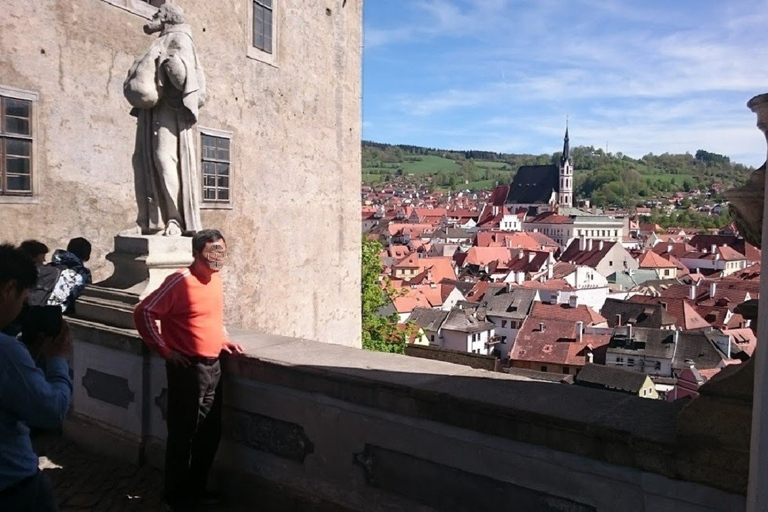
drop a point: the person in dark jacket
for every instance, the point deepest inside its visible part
(74, 276)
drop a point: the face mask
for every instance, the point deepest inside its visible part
(215, 256)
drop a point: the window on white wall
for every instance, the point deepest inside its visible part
(18, 177)
(263, 30)
(215, 168)
(15, 146)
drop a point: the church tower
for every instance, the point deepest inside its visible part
(565, 196)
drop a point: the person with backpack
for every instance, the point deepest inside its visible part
(68, 274)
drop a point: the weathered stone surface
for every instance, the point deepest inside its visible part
(166, 170)
(552, 438)
(269, 435)
(295, 151)
(161, 402)
(143, 262)
(108, 388)
(451, 489)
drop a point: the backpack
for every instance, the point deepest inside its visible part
(47, 277)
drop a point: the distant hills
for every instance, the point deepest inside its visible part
(607, 179)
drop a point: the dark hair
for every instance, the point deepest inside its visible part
(80, 247)
(33, 248)
(16, 266)
(205, 236)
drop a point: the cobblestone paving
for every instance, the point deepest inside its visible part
(85, 481)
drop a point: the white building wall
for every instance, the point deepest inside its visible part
(455, 340)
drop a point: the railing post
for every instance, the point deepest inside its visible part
(757, 493)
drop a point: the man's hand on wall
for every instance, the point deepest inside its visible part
(232, 348)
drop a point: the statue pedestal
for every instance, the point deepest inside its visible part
(142, 262)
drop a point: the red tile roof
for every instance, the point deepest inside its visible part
(652, 260)
(551, 218)
(482, 256)
(544, 241)
(557, 343)
(514, 240)
(589, 258)
(685, 315)
(565, 312)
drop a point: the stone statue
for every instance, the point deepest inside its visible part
(166, 87)
(746, 202)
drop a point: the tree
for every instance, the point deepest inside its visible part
(379, 333)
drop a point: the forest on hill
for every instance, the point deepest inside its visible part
(607, 179)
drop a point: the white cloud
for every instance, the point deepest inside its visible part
(669, 78)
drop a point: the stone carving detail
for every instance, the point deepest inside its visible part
(747, 201)
(161, 401)
(445, 488)
(166, 88)
(281, 438)
(108, 388)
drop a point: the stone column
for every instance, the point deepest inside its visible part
(757, 494)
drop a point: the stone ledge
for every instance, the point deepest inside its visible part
(601, 425)
(116, 338)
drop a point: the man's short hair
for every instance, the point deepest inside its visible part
(16, 266)
(80, 247)
(205, 236)
(34, 248)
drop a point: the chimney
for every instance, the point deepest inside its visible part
(590, 357)
(550, 270)
(582, 243)
(712, 289)
(714, 248)
(692, 292)
(618, 320)
(520, 277)
(573, 301)
(629, 331)
(600, 245)
(580, 330)
(589, 244)
(542, 327)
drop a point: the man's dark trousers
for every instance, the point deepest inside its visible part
(194, 426)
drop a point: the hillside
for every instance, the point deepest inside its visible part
(605, 178)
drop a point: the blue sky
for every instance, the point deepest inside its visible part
(638, 77)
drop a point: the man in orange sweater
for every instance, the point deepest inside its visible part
(189, 307)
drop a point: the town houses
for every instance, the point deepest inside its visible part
(521, 275)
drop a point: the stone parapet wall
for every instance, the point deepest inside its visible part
(294, 161)
(355, 430)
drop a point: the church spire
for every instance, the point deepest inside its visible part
(566, 146)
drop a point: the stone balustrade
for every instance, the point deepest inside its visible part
(336, 428)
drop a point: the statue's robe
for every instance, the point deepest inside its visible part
(165, 162)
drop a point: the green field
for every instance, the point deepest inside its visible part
(371, 179)
(492, 165)
(427, 164)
